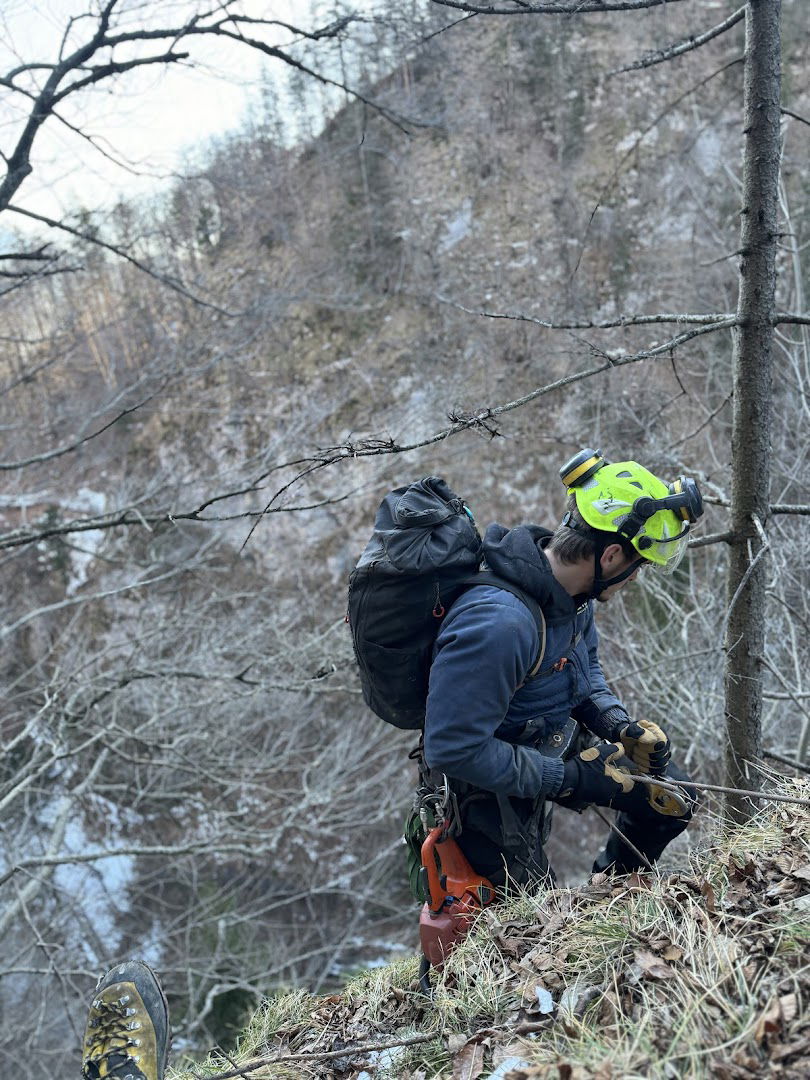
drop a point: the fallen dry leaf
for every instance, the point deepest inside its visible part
(707, 891)
(509, 1051)
(539, 959)
(639, 881)
(747, 1061)
(792, 1049)
(468, 1063)
(782, 888)
(743, 869)
(651, 965)
(789, 1004)
(510, 945)
(769, 1022)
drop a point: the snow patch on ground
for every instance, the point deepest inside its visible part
(92, 503)
(458, 227)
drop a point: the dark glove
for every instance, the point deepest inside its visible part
(646, 745)
(603, 724)
(595, 776)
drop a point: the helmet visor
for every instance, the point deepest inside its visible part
(665, 555)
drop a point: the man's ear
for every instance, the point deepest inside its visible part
(611, 556)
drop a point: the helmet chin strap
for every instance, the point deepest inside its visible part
(600, 583)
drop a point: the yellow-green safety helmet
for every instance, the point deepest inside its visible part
(627, 499)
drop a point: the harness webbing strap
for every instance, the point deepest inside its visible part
(542, 653)
(486, 577)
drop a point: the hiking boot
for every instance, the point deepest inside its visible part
(127, 1033)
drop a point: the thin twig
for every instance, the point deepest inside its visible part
(801, 119)
(624, 839)
(629, 153)
(346, 1052)
(778, 675)
(555, 7)
(622, 321)
(660, 56)
(230, 1060)
(38, 459)
(711, 538)
(164, 279)
(787, 761)
(789, 508)
(745, 578)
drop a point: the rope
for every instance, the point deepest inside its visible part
(678, 789)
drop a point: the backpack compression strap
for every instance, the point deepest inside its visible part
(485, 577)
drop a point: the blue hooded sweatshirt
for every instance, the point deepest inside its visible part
(478, 700)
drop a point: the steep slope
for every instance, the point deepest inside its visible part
(212, 685)
(702, 973)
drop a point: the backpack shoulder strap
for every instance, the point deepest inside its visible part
(486, 577)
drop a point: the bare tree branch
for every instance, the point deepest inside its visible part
(164, 279)
(63, 814)
(361, 449)
(349, 1052)
(74, 601)
(590, 324)
(711, 538)
(60, 451)
(774, 508)
(104, 71)
(679, 48)
(787, 508)
(629, 153)
(789, 112)
(41, 253)
(56, 88)
(555, 7)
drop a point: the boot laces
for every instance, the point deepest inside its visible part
(112, 1038)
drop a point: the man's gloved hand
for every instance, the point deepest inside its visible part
(595, 776)
(646, 745)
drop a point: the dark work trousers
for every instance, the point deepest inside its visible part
(644, 827)
(515, 850)
(503, 838)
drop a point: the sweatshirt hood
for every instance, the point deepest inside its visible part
(516, 554)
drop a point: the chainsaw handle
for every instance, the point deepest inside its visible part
(437, 893)
(456, 880)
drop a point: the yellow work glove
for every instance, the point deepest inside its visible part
(602, 774)
(646, 745)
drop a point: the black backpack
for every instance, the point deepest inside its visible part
(424, 552)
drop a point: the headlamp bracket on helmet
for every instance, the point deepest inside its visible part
(684, 500)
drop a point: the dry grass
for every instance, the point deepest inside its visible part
(700, 973)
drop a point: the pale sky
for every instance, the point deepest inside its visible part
(152, 116)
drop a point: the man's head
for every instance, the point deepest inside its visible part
(620, 518)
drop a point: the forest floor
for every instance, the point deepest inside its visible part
(703, 972)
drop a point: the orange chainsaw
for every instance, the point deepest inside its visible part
(457, 894)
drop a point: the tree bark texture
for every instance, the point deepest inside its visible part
(751, 432)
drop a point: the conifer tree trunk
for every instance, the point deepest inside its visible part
(750, 465)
